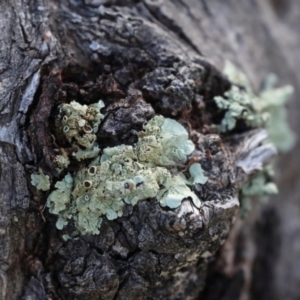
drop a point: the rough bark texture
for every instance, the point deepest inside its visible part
(141, 58)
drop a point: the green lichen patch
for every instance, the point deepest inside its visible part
(86, 154)
(103, 188)
(259, 187)
(263, 111)
(40, 181)
(62, 161)
(176, 190)
(239, 105)
(164, 142)
(236, 76)
(273, 101)
(80, 123)
(60, 198)
(127, 174)
(196, 175)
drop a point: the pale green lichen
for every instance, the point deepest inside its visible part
(176, 190)
(62, 161)
(80, 123)
(240, 105)
(265, 110)
(66, 237)
(273, 100)
(260, 187)
(60, 198)
(196, 175)
(128, 174)
(236, 76)
(40, 181)
(164, 142)
(86, 154)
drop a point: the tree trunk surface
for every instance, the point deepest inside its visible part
(142, 58)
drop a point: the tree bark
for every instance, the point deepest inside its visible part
(143, 58)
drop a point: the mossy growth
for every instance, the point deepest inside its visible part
(263, 111)
(127, 174)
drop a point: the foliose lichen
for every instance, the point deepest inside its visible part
(260, 186)
(80, 123)
(164, 142)
(62, 160)
(273, 101)
(40, 181)
(59, 199)
(265, 110)
(125, 175)
(239, 105)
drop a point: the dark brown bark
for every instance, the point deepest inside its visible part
(143, 58)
